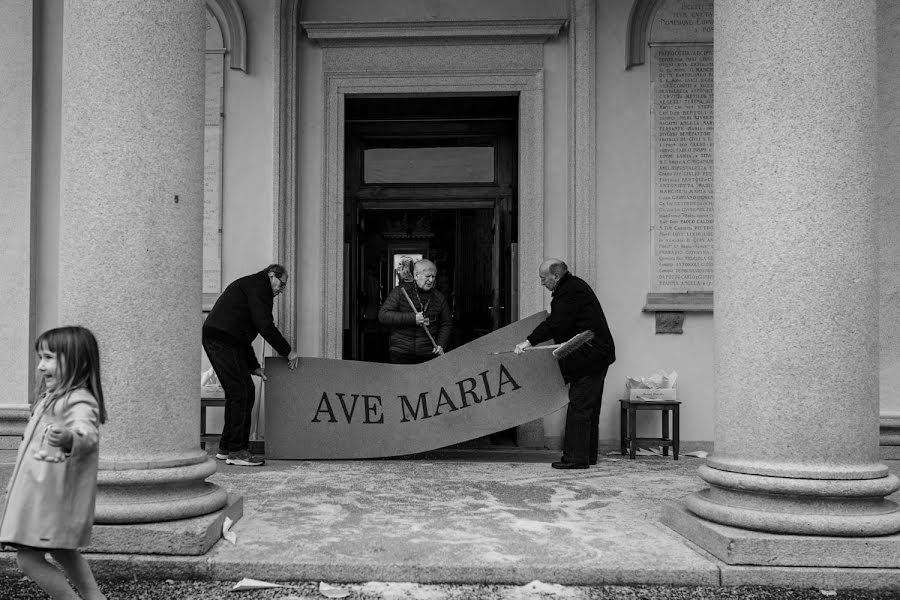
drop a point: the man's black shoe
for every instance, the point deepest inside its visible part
(568, 465)
(593, 462)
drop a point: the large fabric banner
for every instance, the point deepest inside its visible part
(329, 408)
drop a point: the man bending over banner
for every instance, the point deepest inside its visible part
(574, 308)
(243, 311)
(418, 316)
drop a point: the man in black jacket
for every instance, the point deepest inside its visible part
(409, 342)
(574, 308)
(243, 311)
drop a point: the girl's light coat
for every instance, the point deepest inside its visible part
(51, 505)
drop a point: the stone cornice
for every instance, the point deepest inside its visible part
(369, 33)
(679, 302)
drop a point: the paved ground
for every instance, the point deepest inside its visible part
(19, 589)
(463, 524)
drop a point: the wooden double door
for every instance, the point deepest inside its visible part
(430, 178)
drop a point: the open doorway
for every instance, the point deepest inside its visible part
(430, 177)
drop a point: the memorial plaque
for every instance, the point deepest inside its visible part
(679, 21)
(212, 175)
(681, 70)
(328, 408)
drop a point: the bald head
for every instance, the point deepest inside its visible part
(551, 271)
(424, 273)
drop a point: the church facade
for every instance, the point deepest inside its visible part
(724, 175)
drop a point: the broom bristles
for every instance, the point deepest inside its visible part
(577, 341)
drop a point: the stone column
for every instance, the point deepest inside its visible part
(16, 256)
(131, 246)
(796, 295)
(889, 221)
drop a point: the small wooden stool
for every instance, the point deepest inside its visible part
(628, 425)
(205, 437)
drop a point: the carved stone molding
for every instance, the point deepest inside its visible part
(453, 32)
(889, 427)
(638, 31)
(13, 418)
(582, 137)
(686, 302)
(287, 31)
(234, 31)
(501, 57)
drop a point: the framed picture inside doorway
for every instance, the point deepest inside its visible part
(416, 250)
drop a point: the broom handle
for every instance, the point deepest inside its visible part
(413, 306)
(551, 347)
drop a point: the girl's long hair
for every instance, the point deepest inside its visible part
(78, 363)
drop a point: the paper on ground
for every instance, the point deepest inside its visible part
(331, 591)
(697, 454)
(544, 589)
(255, 584)
(226, 531)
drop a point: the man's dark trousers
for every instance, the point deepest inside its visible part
(580, 444)
(229, 361)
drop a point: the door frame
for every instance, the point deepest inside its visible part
(485, 121)
(527, 85)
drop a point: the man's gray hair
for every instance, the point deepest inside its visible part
(558, 268)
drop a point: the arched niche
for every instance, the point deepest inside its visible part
(639, 20)
(234, 32)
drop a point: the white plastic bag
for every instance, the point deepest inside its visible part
(658, 381)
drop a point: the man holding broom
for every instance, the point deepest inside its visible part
(418, 316)
(574, 309)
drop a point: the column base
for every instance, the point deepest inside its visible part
(184, 537)
(735, 546)
(167, 489)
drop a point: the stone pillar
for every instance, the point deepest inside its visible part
(796, 295)
(16, 41)
(131, 247)
(889, 222)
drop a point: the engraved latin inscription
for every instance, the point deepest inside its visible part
(212, 176)
(684, 21)
(683, 167)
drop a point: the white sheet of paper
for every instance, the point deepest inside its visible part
(226, 531)
(254, 584)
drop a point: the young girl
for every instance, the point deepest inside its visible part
(50, 499)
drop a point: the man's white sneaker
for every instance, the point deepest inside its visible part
(221, 455)
(243, 458)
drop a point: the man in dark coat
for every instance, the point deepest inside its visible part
(409, 343)
(243, 311)
(574, 308)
